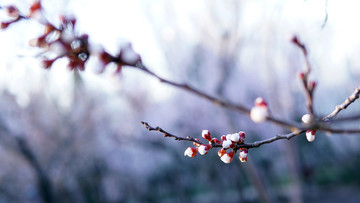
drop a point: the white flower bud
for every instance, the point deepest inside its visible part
(190, 152)
(243, 154)
(227, 144)
(310, 135)
(260, 111)
(203, 149)
(227, 158)
(306, 118)
(206, 135)
(235, 137)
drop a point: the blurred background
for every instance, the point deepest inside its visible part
(76, 136)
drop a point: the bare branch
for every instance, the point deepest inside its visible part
(166, 134)
(340, 131)
(309, 86)
(217, 101)
(354, 96)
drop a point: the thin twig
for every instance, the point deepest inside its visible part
(217, 101)
(167, 134)
(353, 97)
(238, 146)
(339, 131)
(308, 85)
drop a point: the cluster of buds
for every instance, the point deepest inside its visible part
(310, 134)
(260, 111)
(64, 43)
(227, 142)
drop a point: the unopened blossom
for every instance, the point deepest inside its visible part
(227, 157)
(243, 153)
(235, 137)
(306, 118)
(203, 149)
(228, 144)
(206, 135)
(310, 135)
(221, 152)
(190, 152)
(260, 111)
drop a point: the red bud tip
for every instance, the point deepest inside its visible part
(4, 25)
(260, 102)
(301, 75)
(312, 85)
(206, 135)
(295, 40)
(36, 6)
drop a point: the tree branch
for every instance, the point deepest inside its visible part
(238, 146)
(352, 98)
(238, 107)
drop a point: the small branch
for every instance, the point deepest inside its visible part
(326, 14)
(238, 146)
(340, 131)
(219, 102)
(167, 134)
(353, 97)
(309, 86)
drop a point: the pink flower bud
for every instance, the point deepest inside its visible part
(206, 135)
(306, 118)
(190, 152)
(301, 75)
(242, 136)
(227, 157)
(310, 135)
(223, 137)
(221, 152)
(203, 149)
(260, 111)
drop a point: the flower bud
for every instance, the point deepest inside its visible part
(221, 152)
(190, 152)
(310, 135)
(227, 157)
(260, 111)
(306, 118)
(223, 137)
(235, 137)
(243, 153)
(206, 135)
(228, 144)
(203, 149)
(242, 136)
